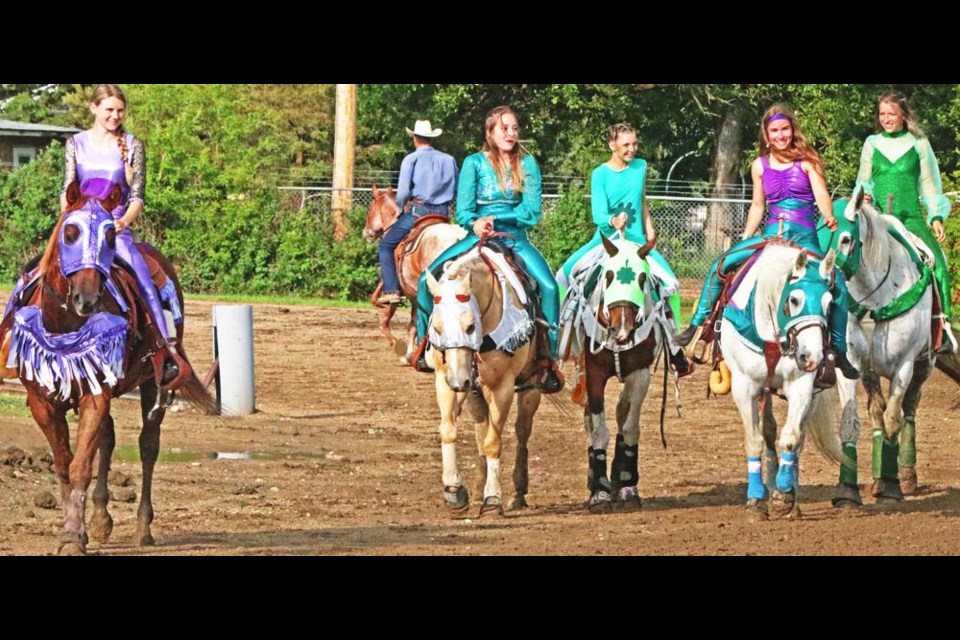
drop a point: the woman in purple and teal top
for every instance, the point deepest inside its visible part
(99, 159)
(899, 163)
(788, 179)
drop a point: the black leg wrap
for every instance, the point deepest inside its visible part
(597, 471)
(624, 472)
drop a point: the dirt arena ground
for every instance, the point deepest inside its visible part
(343, 458)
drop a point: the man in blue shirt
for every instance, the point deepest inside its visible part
(428, 184)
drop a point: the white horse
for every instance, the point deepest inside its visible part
(889, 336)
(772, 337)
(475, 301)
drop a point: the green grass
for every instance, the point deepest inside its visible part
(298, 301)
(13, 404)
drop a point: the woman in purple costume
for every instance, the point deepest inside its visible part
(788, 179)
(99, 159)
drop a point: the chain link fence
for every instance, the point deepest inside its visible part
(692, 231)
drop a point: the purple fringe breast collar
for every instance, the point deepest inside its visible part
(62, 362)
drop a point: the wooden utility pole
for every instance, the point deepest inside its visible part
(344, 151)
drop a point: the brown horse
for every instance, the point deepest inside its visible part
(621, 334)
(424, 245)
(70, 309)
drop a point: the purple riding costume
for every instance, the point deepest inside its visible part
(97, 171)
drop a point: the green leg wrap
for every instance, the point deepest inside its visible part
(674, 302)
(848, 473)
(908, 444)
(885, 454)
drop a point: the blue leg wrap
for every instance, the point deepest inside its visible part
(789, 474)
(755, 488)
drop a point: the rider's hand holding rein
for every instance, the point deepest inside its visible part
(483, 227)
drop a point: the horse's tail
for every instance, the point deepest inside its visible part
(821, 425)
(193, 391)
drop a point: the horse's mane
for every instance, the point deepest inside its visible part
(774, 265)
(874, 225)
(47, 258)
(468, 262)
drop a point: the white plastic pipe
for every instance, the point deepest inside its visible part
(233, 347)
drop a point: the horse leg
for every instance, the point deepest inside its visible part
(101, 524)
(149, 452)
(847, 494)
(527, 404)
(886, 443)
(455, 495)
(386, 315)
(770, 463)
(745, 396)
(93, 412)
(908, 434)
(499, 400)
(624, 473)
(799, 395)
(410, 346)
(595, 423)
(480, 414)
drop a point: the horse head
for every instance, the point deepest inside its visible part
(805, 304)
(86, 245)
(846, 241)
(456, 329)
(626, 280)
(381, 214)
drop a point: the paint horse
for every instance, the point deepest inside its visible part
(427, 240)
(615, 328)
(83, 338)
(889, 336)
(483, 341)
(773, 336)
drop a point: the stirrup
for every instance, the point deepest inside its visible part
(677, 360)
(948, 344)
(419, 358)
(551, 377)
(175, 368)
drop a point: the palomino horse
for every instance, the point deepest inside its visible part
(412, 259)
(76, 347)
(889, 336)
(772, 336)
(485, 380)
(614, 329)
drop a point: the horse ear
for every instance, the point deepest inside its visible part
(73, 193)
(609, 246)
(801, 262)
(827, 265)
(464, 288)
(376, 192)
(113, 200)
(609, 278)
(855, 203)
(432, 284)
(642, 280)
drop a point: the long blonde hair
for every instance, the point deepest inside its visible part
(494, 120)
(101, 93)
(799, 149)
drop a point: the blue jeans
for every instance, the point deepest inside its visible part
(395, 235)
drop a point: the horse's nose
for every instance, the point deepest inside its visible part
(85, 304)
(460, 386)
(806, 360)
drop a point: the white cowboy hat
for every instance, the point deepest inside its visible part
(424, 129)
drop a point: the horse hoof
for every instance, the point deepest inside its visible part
(519, 502)
(600, 502)
(101, 528)
(404, 361)
(908, 480)
(492, 504)
(456, 498)
(784, 505)
(628, 499)
(72, 544)
(886, 491)
(847, 497)
(756, 510)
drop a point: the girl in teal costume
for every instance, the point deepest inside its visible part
(788, 178)
(619, 204)
(899, 162)
(500, 190)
